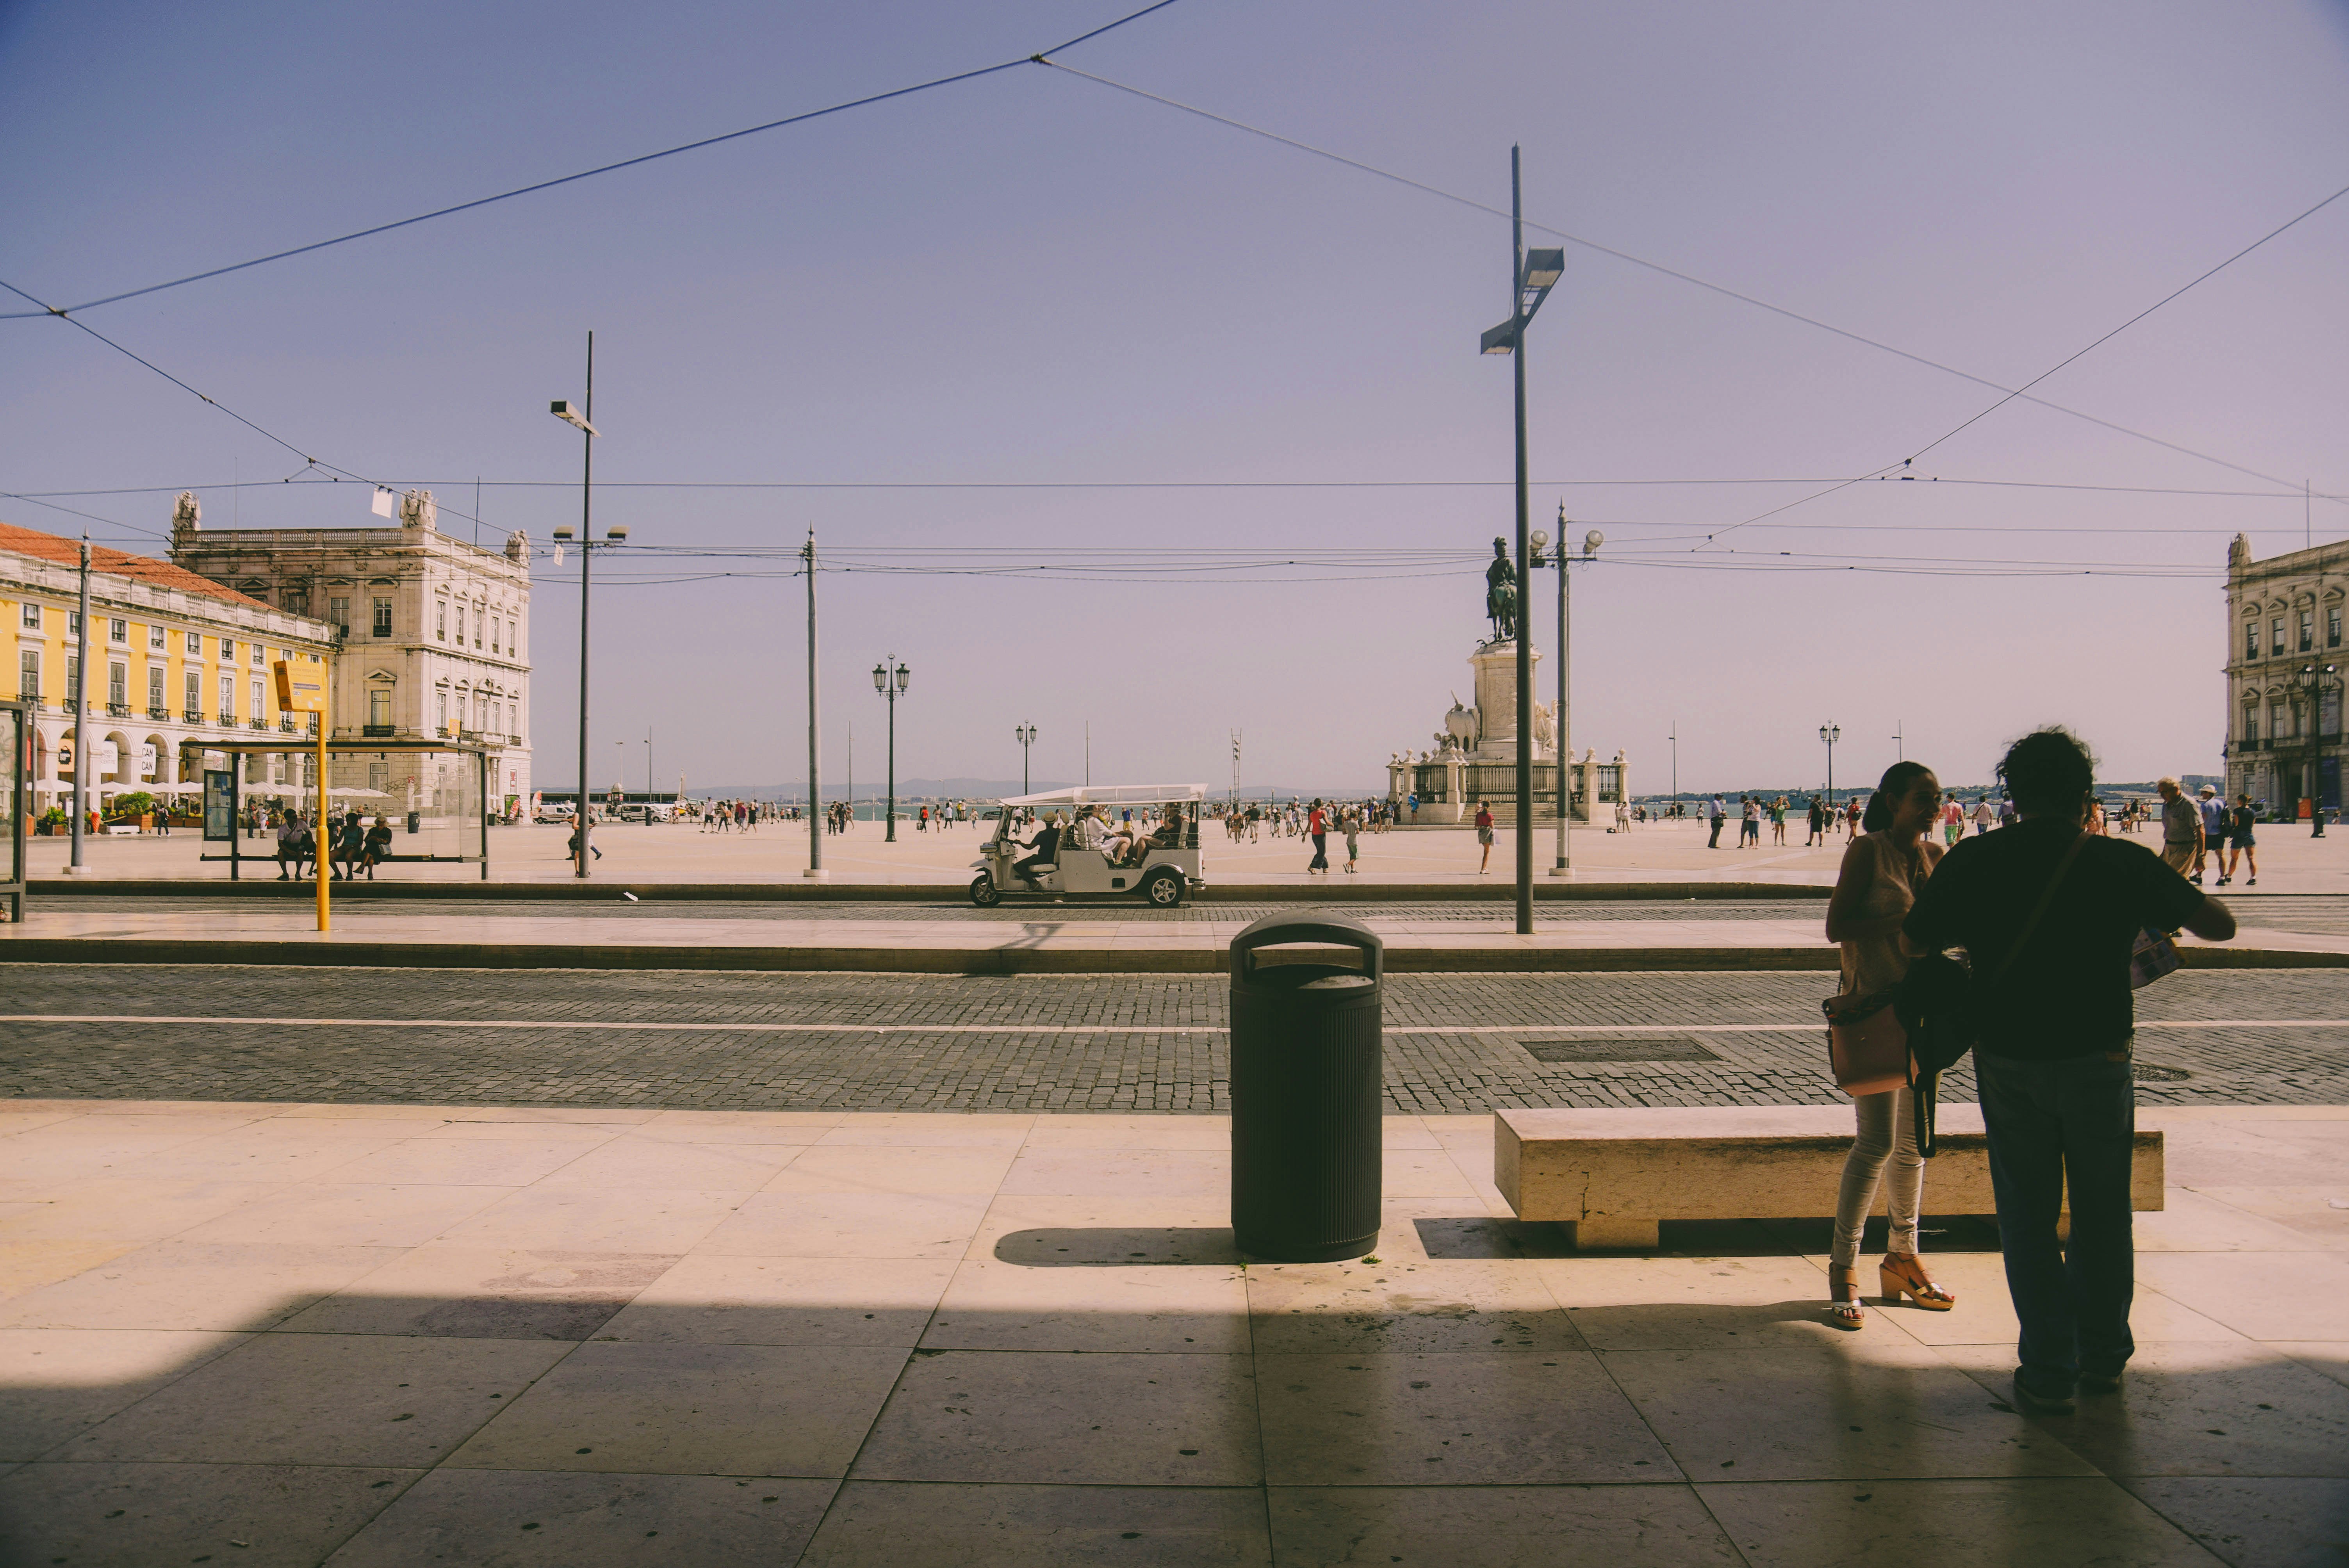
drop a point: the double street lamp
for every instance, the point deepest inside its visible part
(1564, 563)
(1532, 274)
(890, 682)
(582, 419)
(1025, 733)
(1830, 732)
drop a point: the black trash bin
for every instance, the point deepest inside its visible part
(1306, 1092)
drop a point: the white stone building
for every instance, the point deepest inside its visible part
(2285, 665)
(434, 632)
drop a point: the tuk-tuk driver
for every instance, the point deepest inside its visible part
(1044, 847)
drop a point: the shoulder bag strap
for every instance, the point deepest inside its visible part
(2039, 911)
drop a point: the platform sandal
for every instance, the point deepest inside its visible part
(1902, 1274)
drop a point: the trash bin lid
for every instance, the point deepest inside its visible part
(1302, 926)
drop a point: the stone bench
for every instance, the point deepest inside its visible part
(1614, 1174)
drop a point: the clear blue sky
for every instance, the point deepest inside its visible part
(1032, 277)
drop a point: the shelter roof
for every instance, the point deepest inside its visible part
(1113, 795)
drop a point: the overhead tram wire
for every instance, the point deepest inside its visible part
(584, 174)
(2072, 358)
(1690, 278)
(1197, 484)
(308, 461)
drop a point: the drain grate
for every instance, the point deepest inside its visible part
(1616, 1048)
(2145, 1072)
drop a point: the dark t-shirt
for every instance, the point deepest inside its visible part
(2067, 991)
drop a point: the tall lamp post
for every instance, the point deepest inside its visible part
(81, 793)
(1675, 739)
(890, 682)
(583, 420)
(1532, 274)
(815, 745)
(2316, 682)
(1830, 732)
(1025, 735)
(1563, 562)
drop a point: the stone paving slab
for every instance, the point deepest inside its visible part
(2291, 861)
(1038, 1359)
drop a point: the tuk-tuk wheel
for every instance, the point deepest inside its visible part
(1164, 889)
(983, 890)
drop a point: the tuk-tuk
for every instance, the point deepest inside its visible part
(1108, 841)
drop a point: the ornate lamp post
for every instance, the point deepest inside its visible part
(891, 683)
(1562, 564)
(1830, 732)
(1026, 735)
(2314, 684)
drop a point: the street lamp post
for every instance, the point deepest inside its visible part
(889, 679)
(1830, 732)
(1025, 735)
(1675, 739)
(1564, 740)
(815, 747)
(583, 420)
(2314, 681)
(1532, 274)
(81, 792)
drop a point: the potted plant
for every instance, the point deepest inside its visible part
(137, 806)
(53, 822)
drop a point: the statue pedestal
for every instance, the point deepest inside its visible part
(1496, 665)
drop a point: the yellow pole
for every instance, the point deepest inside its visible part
(322, 828)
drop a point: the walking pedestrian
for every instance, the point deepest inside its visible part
(2062, 910)
(1484, 836)
(1881, 872)
(2239, 847)
(1318, 824)
(1984, 816)
(1353, 828)
(2213, 811)
(1714, 812)
(1819, 833)
(2181, 831)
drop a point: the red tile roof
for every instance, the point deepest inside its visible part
(56, 547)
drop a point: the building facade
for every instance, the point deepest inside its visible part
(2285, 665)
(174, 657)
(434, 632)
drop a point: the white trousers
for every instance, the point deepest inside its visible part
(1887, 1135)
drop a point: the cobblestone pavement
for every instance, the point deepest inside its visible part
(1456, 1043)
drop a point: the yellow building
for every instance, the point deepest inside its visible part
(173, 658)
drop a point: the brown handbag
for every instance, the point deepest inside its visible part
(1865, 1043)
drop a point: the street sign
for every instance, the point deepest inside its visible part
(302, 689)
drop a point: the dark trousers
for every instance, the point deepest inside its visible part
(1715, 841)
(1321, 853)
(2072, 1123)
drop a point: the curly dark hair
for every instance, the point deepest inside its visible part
(2048, 771)
(1895, 783)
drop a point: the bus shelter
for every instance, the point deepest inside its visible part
(433, 794)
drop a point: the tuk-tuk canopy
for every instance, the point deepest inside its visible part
(1113, 795)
